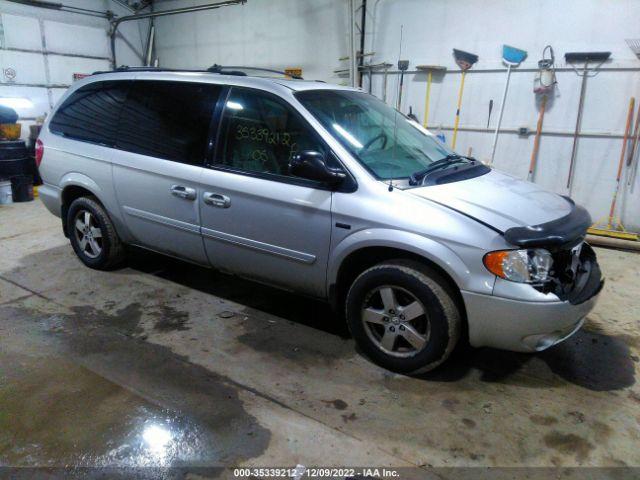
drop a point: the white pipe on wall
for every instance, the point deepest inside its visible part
(353, 57)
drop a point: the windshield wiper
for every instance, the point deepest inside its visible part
(450, 159)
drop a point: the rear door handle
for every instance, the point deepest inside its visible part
(187, 193)
(216, 200)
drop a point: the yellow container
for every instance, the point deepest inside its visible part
(10, 131)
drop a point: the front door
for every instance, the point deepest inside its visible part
(163, 135)
(258, 220)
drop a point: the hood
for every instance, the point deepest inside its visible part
(499, 200)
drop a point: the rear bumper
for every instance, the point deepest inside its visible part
(522, 326)
(51, 197)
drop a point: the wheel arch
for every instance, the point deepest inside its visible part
(354, 255)
(76, 185)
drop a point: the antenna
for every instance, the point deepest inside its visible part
(395, 118)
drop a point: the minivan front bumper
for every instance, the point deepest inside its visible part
(522, 326)
(533, 324)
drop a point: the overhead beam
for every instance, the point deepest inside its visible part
(115, 23)
(65, 8)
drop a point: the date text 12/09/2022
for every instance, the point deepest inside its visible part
(301, 471)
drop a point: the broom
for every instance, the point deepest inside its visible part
(611, 230)
(512, 57)
(430, 69)
(465, 61)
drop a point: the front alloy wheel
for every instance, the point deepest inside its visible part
(404, 316)
(396, 321)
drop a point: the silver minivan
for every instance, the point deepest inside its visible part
(325, 191)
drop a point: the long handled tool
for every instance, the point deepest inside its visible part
(403, 66)
(430, 69)
(633, 166)
(627, 132)
(543, 84)
(616, 229)
(634, 138)
(511, 57)
(465, 61)
(490, 110)
(536, 140)
(385, 77)
(373, 67)
(582, 57)
(634, 45)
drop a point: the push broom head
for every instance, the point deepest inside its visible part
(513, 56)
(431, 68)
(634, 45)
(464, 59)
(583, 57)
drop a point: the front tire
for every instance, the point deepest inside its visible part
(403, 316)
(93, 236)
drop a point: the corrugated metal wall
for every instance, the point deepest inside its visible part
(314, 34)
(40, 50)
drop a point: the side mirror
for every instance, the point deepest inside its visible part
(311, 165)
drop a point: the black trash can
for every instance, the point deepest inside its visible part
(22, 188)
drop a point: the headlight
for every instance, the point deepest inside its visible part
(524, 266)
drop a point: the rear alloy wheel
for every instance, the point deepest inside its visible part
(404, 316)
(88, 234)
(92, 234)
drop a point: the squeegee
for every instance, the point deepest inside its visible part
(574, 58)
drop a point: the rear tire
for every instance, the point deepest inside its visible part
(93, 236)
(403, 316)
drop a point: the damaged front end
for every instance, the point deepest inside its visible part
(574, 274)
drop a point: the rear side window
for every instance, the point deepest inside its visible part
(91, 113)
(168, 120)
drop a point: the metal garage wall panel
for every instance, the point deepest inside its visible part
(29, 67)
(56, 94)
(37, 96)
(62, 68)
(76, 39)
(21, 32)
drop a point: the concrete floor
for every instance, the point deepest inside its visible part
(163, 363)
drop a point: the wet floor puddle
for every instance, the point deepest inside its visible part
(81, 389)
(54, 412)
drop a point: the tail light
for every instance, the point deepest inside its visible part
(39, 152)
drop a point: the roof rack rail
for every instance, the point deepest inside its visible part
(218, 69)
(126, 68)
(215, 68)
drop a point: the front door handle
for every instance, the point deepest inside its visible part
(187, 193)
(216, 200)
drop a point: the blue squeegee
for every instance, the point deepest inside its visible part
(511, 57)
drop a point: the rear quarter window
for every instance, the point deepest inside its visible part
(91, 113)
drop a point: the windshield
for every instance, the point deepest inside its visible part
(389, 144)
